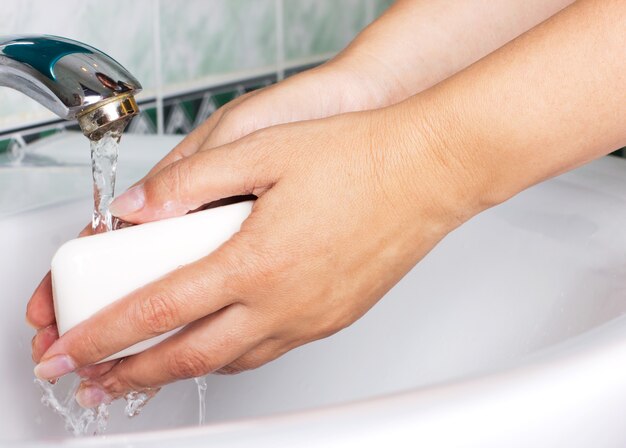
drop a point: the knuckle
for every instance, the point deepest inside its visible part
(189, 363)
(231, 127)
(115, 384)
(179, 177)
(256, 358)
(268, 267)
(236, 269)
(156, 315)
(333, 324)
(231, 369)
(237, 120)
(169, 183)
(88, 348)
(246, 362)
(118, 382)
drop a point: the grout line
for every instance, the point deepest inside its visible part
(279, 10)
(156, 29)
(20, 140)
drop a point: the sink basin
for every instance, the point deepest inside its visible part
(510, 333)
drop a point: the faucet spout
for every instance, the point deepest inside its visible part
(70, 78)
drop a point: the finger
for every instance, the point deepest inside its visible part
(96, 370)
(234, 122)
(40, 308)
(239, 168)
(188, 146)
(87, 231)
(196, 139)
(43, 340)
(202, 347)
(183, 296)
(260, 355)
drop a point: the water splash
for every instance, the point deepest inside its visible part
(135, 401)
(202, 387)
(60, 397)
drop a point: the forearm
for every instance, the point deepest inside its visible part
(418, 43)
(549, 101)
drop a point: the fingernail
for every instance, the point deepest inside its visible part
(54, 367)
(92, 396)
(129, 202)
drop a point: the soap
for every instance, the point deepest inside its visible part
(92, 272)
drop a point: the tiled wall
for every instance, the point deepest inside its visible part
(190, 55)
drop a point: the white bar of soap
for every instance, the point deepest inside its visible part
(92, 272)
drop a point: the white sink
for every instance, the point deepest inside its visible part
(509, 334)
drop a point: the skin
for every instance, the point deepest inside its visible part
(347, 204)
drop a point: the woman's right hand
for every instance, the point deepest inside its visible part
(330, 89)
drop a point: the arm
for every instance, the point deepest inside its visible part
(548, 102)
(418, 43)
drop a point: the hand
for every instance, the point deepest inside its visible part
(346, 206)
(327, 90)
(339, 86)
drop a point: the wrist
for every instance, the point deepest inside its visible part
(362, 82)
(445, 160)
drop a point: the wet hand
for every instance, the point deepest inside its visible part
(321, 92)
(346, 206)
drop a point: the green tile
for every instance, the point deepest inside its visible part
(151, 114)
(252, 87)
(619, 153)
(201, 38)
(4, 145)
(191, 108)
(315, 27)
(224, 97)
(48, 133)
(380, 6)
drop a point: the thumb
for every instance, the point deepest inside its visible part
(239, 168)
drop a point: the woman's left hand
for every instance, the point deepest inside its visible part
(346, 206)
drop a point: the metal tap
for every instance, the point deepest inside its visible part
(72, 79)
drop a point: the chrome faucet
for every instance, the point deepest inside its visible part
(73, 80)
